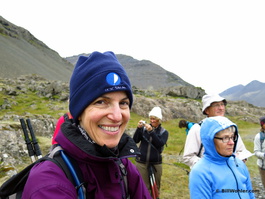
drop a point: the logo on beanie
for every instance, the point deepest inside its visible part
(113, 79)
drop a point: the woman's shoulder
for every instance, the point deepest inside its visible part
(202, 167)
(47, 170)
(44, 166)
(257, 136)
(45, 176)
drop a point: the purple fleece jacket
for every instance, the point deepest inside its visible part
(100, 171)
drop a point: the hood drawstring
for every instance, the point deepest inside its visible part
(235, 160)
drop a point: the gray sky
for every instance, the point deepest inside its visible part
(210, 44)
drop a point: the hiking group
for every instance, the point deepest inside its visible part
(216, 154)
(90, 151)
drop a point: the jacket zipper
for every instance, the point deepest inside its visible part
(234, 177)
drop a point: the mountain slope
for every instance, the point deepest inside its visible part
(253, 93)
(21, 53)
(145, 74)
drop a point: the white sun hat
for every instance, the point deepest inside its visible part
(207, 100)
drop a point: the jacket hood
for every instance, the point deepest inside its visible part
(209, 128)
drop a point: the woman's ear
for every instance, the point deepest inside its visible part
(206, 111)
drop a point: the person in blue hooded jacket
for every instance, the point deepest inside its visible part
(220, 174)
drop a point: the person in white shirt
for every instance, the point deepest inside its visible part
(259, 149)
(213, 105)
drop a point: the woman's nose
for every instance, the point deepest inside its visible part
(231, 141)
(115, 113)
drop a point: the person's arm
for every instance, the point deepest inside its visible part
(159, 140)
(192, 146)
(138, 135)
(248, 182)
(257, 148)
(199, 186)
(249, 187)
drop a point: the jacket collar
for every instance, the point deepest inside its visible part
(71, 140)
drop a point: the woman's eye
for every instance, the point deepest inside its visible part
(100, 102)
(125, 103)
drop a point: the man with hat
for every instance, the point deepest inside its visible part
(259, 149)
(213, 105)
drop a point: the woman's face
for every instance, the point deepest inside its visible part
(224, 149)
(154, 121)
(106, 118)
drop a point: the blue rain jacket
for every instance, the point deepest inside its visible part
(215, 176)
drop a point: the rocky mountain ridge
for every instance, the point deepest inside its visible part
(253, 93)
(145, 74)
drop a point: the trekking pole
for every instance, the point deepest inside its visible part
(148, 165)
(156, 193)
(181, 150)
(153, 185)
(27, 140)
(34, 140)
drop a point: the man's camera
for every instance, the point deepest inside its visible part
(143, 122)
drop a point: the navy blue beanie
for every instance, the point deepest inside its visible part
(92, 77)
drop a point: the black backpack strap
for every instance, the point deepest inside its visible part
(162, 130)
(16, 183)
(56, 157)
(200, 150)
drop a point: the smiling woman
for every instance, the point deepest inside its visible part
(106, 118)
(100, 102)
